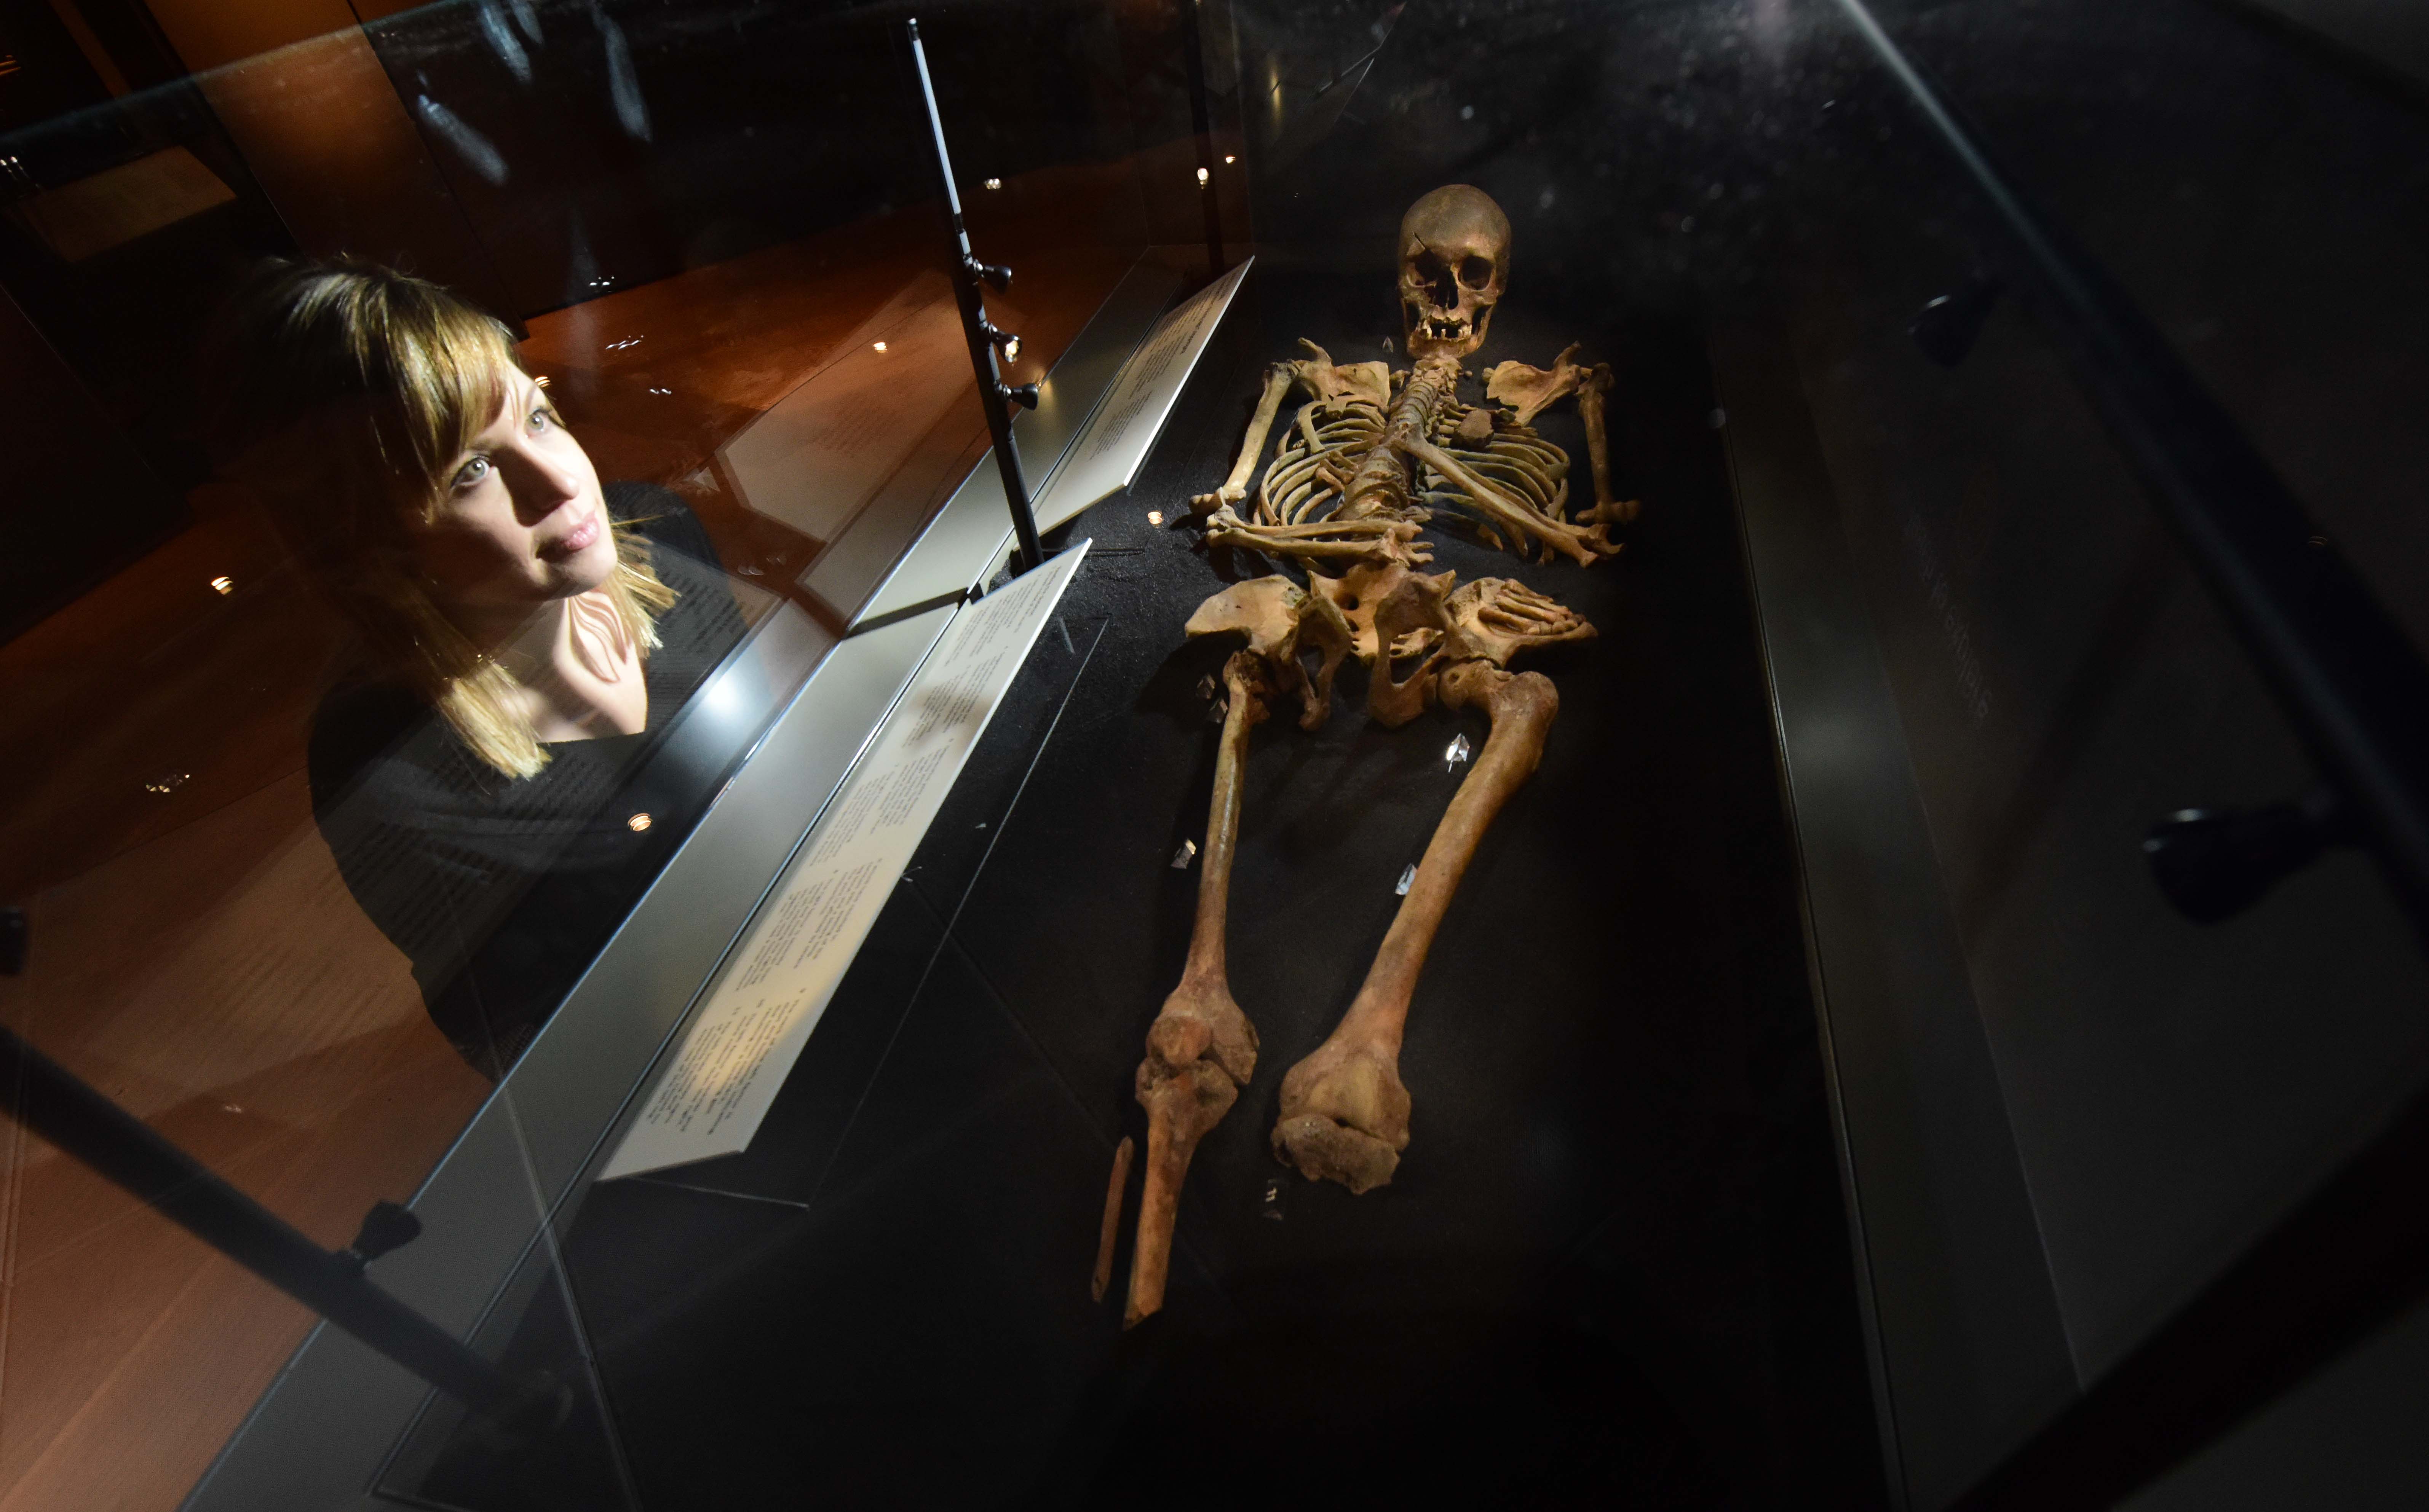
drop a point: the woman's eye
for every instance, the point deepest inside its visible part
(471, 473)
(540, 418)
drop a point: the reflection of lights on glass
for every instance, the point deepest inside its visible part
(224, 586)
(169, 782)
(1202, 176)
(880, 346)
(637, 823)
(995, 183)
(728, 697)
(1012, 349)
(1231, 158)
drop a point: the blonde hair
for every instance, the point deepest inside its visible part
(343, 394)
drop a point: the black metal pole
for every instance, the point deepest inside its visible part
(968, 271)
(47, 1098)
(1201, 113)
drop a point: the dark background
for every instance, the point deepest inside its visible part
(1612, 1266)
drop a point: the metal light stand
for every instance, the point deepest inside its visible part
(54, 1103)
(1201, 117)
(985, 339)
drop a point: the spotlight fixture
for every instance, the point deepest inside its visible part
(224, 586)
(995, 183)
(1202, 176)
(880, 346)
(637, 823)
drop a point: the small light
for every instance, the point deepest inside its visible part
(1155, 516)
(224, 586)
(637, 823)
(1202, 176)
(1012, 349)
(540, 382)
(880, 346)
(1229, 158)
(995, 183)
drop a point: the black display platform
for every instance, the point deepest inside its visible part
(1613, 1269)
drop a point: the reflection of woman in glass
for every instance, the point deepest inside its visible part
(521, 636)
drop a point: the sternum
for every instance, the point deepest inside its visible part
(1381, 483)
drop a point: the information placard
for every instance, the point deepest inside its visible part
(1107, 455)
(744, 1038)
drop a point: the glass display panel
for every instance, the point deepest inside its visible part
(713, 238)
(1689, 1017)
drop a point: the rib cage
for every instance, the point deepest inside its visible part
(1336, 448)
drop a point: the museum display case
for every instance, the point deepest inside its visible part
(1230, 754)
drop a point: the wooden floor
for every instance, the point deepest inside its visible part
(195, 954)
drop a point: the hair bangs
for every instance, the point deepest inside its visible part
(447, 379)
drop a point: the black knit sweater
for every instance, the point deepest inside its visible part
(438, 847)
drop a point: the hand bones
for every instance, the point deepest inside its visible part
(1359, 466)
(1372, 451)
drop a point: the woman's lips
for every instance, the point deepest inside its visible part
(571, 541)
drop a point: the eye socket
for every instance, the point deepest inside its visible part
(1476, 272)
(1429, 268)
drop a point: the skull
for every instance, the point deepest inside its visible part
(1454, 266)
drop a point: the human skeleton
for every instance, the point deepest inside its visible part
(1370, 458)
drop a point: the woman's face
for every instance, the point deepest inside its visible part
(521, 521)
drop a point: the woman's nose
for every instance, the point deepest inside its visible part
(539, 481)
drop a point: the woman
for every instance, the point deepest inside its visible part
(521, 636)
